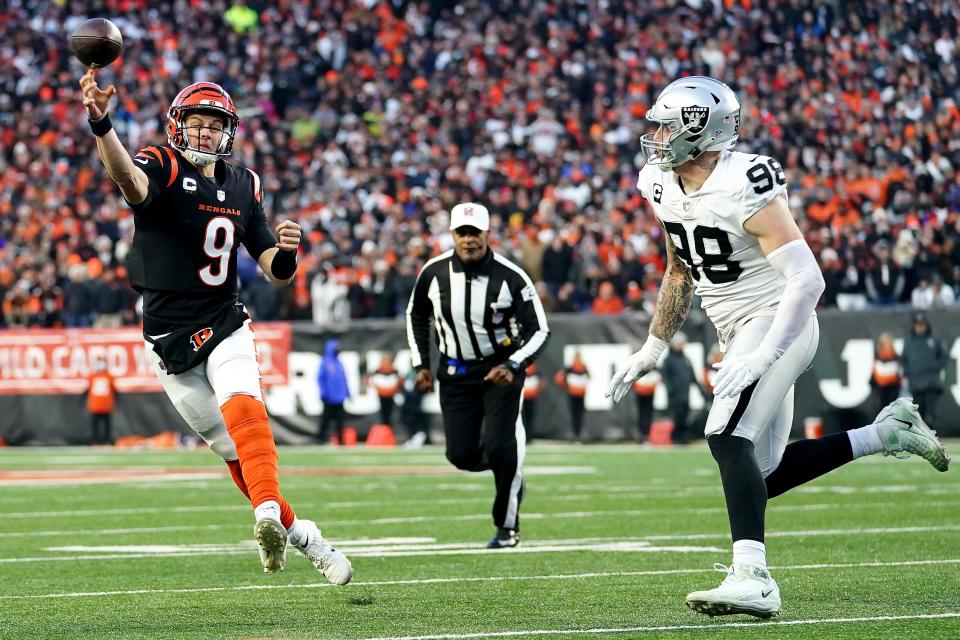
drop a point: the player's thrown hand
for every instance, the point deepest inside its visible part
(95, 100)
(288, 236)
(500, 376)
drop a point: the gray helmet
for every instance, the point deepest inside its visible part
(700, 113)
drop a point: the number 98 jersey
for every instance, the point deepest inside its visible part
(732, 275)
(187, 230)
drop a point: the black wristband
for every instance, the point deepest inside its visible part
(284, 264)
(101, 126)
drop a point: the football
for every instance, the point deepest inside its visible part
(96, 42)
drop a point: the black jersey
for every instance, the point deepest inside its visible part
(187, 230)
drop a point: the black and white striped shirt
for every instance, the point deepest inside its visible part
(483, 313)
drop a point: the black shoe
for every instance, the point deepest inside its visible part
(504, 538)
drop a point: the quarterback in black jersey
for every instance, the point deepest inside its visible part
(192, 209)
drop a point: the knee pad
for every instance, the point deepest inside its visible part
(220, 442)
(731, 451)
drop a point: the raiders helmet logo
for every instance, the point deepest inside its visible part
(695, 117)
(200, 337)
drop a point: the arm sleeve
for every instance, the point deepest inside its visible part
(532, 320)
(419, 311)
(795, 261)
(257, 237)
(161, 166)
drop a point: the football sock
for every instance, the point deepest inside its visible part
(237, 474)
(750, 552)
(743, 486)
(296, 529)
(248, 425)
(269, 509)
(805, 460)
(865, 441)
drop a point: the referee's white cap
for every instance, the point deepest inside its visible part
(470, 214)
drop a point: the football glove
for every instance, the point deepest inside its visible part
(737, 373)
(636, 366)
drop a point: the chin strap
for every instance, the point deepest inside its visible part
(198, 158)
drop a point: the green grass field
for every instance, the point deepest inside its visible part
(96, 543)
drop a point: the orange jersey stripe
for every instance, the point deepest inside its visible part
(174, 165)
(155, 152)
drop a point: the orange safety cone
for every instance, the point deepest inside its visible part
(381, 435)
(349, 437)
(660, 432)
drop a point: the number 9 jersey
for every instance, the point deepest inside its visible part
(732, 276)
(187, 230)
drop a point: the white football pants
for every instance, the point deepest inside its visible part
(763, 412)
(231, 369)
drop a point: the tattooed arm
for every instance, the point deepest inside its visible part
(675, 297)
(673, 305)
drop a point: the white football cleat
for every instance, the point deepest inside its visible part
(272, 542)
(331, 563)
(746, 589)
(903, 431)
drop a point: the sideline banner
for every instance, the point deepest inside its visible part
(59, 361)
(40, 381)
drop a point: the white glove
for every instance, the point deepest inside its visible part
(736, 374)
(637, 366)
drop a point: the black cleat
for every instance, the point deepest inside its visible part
(504, 538)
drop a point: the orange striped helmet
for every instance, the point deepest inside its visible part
(207, 98)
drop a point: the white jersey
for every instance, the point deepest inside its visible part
(733, 278)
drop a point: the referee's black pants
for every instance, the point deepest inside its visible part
(481, 427)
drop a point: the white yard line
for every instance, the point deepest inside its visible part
(19, 515)
(384, 583)
(67, 534)
(366, 547)
(676, 627)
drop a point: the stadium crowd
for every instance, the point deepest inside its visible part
(368, 120)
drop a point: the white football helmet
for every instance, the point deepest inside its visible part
(700, 114)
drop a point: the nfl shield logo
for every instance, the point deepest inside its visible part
(451, 370)
(696, 117)
(221, 196)
(496, 318)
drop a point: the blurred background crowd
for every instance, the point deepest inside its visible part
(368, 120)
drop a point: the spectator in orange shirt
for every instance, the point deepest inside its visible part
(575, 379)
(644, 388)
(386, 381)
(533, 385)
(607, 302)
(886, 378)
(101, 400)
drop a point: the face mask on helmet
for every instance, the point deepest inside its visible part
(695, 115)
(203, 98)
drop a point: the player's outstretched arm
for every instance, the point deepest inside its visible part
(673, 305)
(129, 177)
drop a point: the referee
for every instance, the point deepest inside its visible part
(489, 326)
